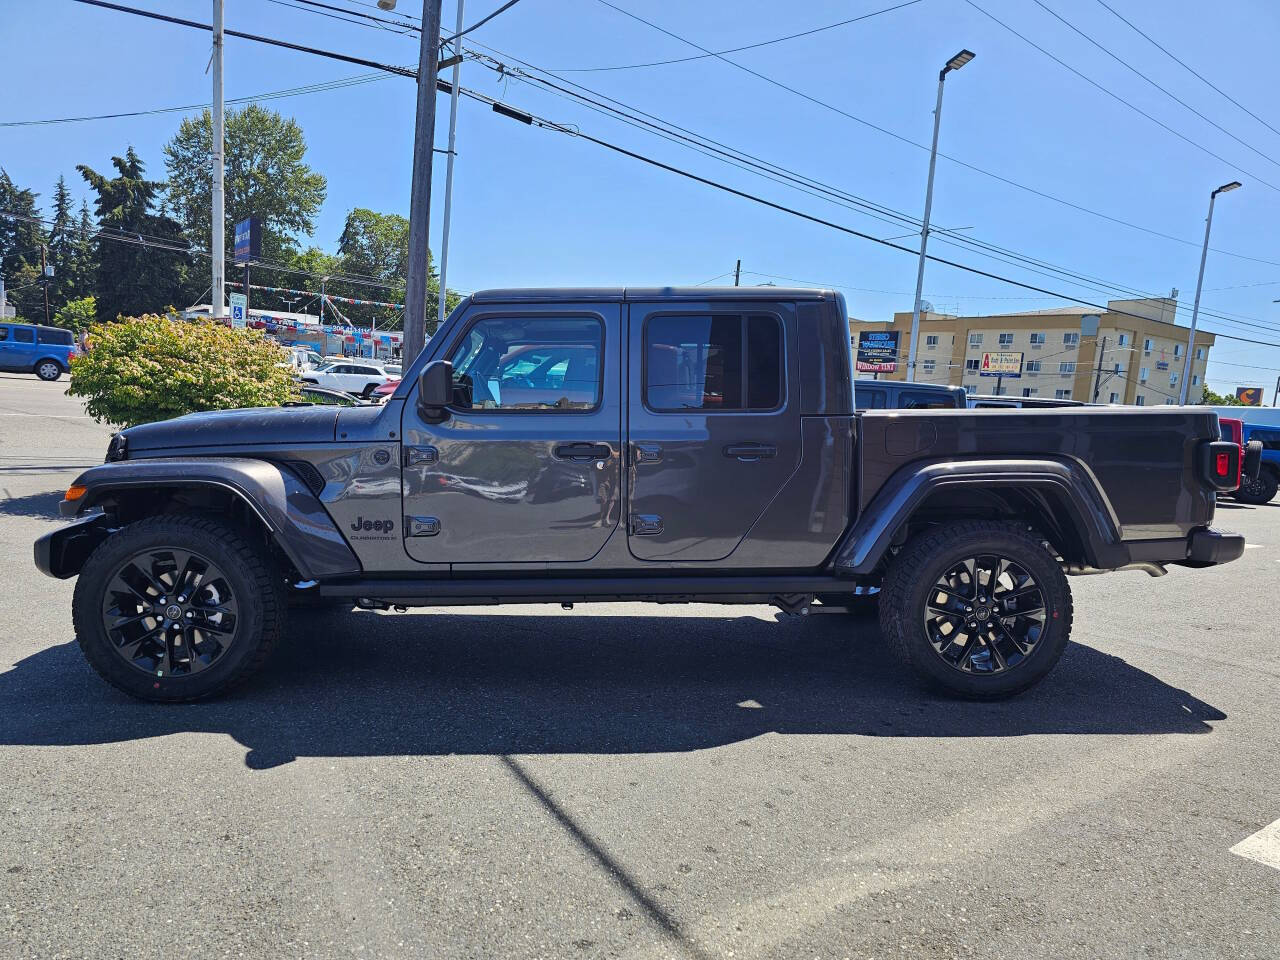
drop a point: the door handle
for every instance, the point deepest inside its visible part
(750, 451)
(583, 451)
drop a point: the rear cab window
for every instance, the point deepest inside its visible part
(723, 362)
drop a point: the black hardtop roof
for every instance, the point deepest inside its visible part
(649, 293)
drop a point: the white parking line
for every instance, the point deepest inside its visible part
(1252, 546)
(1263, 846)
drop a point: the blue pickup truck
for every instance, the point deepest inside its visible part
(30, 348)
(1262, 489)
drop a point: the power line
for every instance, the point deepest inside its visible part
(1187, 67)
(749, 46)
(920, 146)
(480, 23)
(1119, 99)
(351, 16)
(1134, 70)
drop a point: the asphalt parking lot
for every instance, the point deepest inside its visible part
(634, 781)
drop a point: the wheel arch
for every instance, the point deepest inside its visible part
(1058, 497)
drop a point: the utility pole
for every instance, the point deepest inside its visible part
(955, 63)
(448, 176)
(1275, 397)
(1097, 377)
(737, 272)
(218, 215)
(415, 300)
(322, 283)
(44, 281)
(1195, 307)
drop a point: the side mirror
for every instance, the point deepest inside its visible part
(435, 390)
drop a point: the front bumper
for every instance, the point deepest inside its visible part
(61, 553)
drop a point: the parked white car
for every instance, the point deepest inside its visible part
(350, 376)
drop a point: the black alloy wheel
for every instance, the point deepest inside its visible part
(985, 615)
(170, 612)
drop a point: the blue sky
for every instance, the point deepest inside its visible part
(533, 207)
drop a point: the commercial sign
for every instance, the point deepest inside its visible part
(878, 351)
(1249, 396)
(248, 241)
(1162, 364)
(1003, 363)
(239, 310)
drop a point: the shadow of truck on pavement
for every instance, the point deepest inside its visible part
(363, 684)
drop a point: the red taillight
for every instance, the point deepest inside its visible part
(1222, 464)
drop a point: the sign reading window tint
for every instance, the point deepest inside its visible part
(713, 362)
(529, 363)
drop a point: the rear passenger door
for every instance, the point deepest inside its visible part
(22, 349)
(713, 435)
(7, 349)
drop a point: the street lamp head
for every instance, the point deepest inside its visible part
(386, 4)
(1227, 187)
(959, 60)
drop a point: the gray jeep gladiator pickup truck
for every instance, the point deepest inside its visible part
(668, 445)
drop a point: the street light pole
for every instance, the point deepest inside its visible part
(1195, 307)
(448, 176)
(218, 216)
(955, 63)
(415, 298)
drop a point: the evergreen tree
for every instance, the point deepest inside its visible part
(62, 247)
(86, 254)
(141, 271)
(21, 235)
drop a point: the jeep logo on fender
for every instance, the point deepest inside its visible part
(362, 525)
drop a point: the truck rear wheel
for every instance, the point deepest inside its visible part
(1259, 490)
(980, 608)
(177, 608)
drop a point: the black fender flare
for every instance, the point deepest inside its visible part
(867, 542)
(292, 514)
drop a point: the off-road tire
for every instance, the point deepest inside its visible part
(1258, 491)
(255, 584)
(914, 573)
(48, 370)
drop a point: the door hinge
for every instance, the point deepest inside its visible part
(645, 525)
(416, 456)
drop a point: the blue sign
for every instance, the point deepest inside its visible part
(248, 241)
(877, 352)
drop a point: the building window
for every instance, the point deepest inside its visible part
(1143, 374)
(1170, 402)
(1195, 379)
(1033, 366)
(1199, 353)
(713, 362)
(1071, 339)
(1006, 339)
(971, 365)
(1173, 379)
(1037, 340)
(1062, 394)
(1117, 369)
(1029, 391)
(1140, 401)
(929, 365)
(1124, 340)
(1146, 346)
(1115, 398)
(931, 341)
(1177, 349)
(1066, 367)
(975, 340)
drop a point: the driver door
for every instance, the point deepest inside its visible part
(525, 469)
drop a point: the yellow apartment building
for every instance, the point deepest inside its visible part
(1142, 352)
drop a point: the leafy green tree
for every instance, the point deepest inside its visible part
(265, 176)
(21, 235)
(77, 315)
(1211, 399)
(144, 266)
(151, 368)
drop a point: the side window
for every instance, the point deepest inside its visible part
(46, 335)
(529, 364)
(4, 334)
(921, 400)
(715, 362)
(871, 398)
(23, 335)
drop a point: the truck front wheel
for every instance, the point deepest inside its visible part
(980, 608)
(177, 608)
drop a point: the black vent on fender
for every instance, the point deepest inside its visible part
(308, 474)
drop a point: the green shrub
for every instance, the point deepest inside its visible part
(77, 315)
(149, 368)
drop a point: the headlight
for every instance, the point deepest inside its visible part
(117, 449)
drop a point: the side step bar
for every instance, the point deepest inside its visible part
(675, 589)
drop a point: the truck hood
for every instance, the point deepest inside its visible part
(223, 428)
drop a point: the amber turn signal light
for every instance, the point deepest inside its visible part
(75, 492)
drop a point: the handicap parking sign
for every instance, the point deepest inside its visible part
(238, 302)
